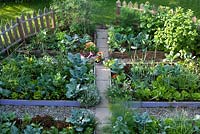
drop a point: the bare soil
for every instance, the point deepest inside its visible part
(139, 55)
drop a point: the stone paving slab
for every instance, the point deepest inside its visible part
(104, 101)
(99, 66)
(102, 34)
(102, 43)
(101, 30)
(103, 115)
(103, 85)
(103, 74)
(100, 127)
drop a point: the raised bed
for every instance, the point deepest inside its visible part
(126, 86)
(47, 124)
(46, 102)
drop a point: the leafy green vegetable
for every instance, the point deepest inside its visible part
(81, 119)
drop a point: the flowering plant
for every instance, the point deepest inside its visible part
(99, 57)
(90, 47)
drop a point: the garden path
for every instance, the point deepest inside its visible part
(103, 80)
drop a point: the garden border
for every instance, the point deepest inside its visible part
(153, 104)
(66, 103)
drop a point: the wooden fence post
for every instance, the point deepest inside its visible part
(53, 19)
(130, 4)
(36, 22)
(4, 36)
(135, 5)
(142, 7)
(47, 17)
(1, 43)
(41, 19)
(23, 22)
(118, 7)
(9, 34)
(16, 37)
(30, 24)
(124, 4)
(20, 29)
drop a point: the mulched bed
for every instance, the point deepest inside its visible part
(56, 112)
(170, 112)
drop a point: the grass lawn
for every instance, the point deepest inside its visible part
(11, 10)
(104, 10)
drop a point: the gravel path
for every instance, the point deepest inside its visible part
(170, 112)
(59, 113)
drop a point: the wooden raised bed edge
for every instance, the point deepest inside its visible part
(40, 103)
(153, 104)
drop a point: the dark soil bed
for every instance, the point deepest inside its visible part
(45, 121)
(139, 55)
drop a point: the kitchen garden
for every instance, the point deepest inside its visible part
(162, 44)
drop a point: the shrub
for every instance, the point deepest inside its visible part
(74, 15)
(178, 33)
(129, 18)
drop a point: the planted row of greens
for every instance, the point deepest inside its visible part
(127, 121)
(168, 30)
(154, 82)
(126, 39)
(62, 77)
(61, 42)
(80, 122)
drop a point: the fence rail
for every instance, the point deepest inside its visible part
(26, 26)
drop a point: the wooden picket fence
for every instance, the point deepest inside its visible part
(24, 27)
(138, 7)
(134, 6)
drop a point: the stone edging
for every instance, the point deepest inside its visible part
(40, 103)
(148, 104)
